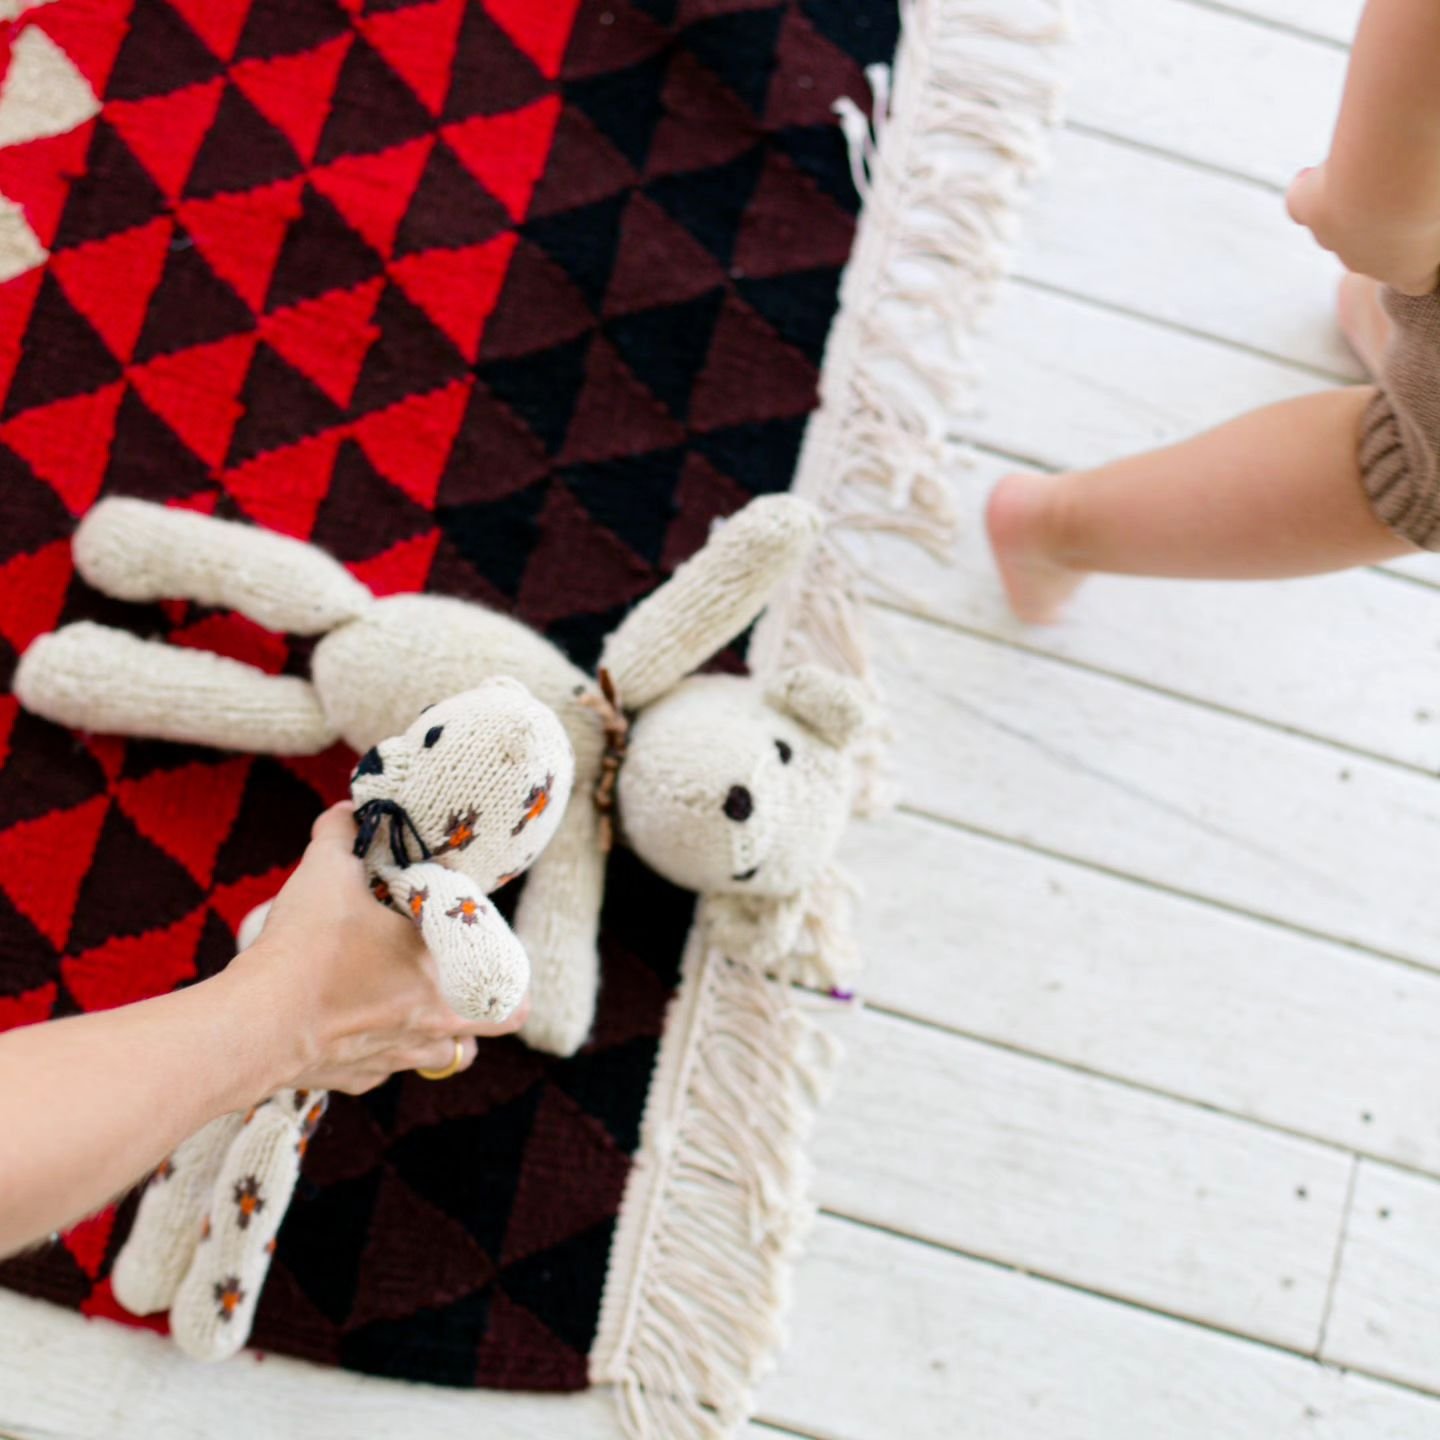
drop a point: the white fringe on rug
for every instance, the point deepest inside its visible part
(717, 1203)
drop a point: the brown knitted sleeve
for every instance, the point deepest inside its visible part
(1399, 443)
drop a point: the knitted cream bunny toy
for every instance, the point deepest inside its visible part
(461, 802)
(730, 786)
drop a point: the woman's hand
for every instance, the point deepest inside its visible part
(347, 988)
(1401, 251)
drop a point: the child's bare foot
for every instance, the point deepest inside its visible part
(1363, 320)
(1036, 584)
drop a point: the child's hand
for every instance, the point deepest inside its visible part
(1402, 253)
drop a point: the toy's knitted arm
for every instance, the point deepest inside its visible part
(92, 677)
(137, 550)
(558, 922)
(484, 971)
(711, 598)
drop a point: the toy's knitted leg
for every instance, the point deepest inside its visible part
(214, 1306)
(91, 677)
(167, 1225)
(135, 550)
(558, 921)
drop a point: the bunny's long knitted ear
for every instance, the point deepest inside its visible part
(711, 598)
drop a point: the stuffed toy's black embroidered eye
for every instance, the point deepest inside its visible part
(433, 734)
(786, 753)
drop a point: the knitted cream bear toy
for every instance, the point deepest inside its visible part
(735, 788)
(447, 812)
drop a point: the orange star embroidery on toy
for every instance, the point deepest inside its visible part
(535, 803)
(163, 1171)
(228, 1296)
(417, 903)
(467, 911)
(248, 1200)
(460, 830)
(380, 890)
(205, 1229)
(311, 1120)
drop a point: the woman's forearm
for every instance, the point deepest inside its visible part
(1385, 157)
(106, 1097)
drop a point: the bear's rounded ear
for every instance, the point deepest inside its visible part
(834, 706)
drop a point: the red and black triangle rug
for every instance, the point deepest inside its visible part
(493, 298)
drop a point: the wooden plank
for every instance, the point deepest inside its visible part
(1238, 646)
(1069, 384)
(1327, 19)
(1082, 765)
(1127, 981)
(1103, 224)
(1386, 1313)
(1208, 85)
(1082, 1179)
(896, 1339)
(61, 1375)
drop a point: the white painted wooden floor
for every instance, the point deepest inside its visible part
(1139, 1138)
(1139, 1135)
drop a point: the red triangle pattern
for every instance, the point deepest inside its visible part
(87, 1240)
(165, 132)
(194, 392)
(237, 638)
(67, 443)
(506, 153)
(327, 338)
(87, 276)
(293, 91)
(187, 812)
(418, 43)
(240, 235)
(89, 34)
(29, 1007)
(400, 570)
(43, 861)
(17, 300)
(101, 1304)
(458, 289)
(283, 489)
(373, 192)
(32, 590)
(541, 31)
(37, 174)
(217, 22)
(134, 967)
(233, 902)
(409, 443)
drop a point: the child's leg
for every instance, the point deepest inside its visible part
(1272, 494)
